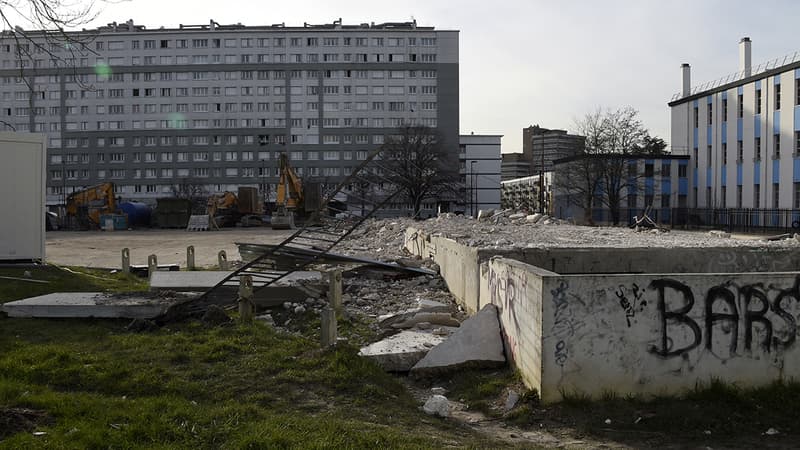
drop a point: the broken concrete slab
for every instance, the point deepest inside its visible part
(437, 405)
(91, 304)
(295, 287)
(202, 280)
(424, 306)
(400, 352)
(433, 318)
(477, 343)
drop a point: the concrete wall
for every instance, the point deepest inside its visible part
(644, 333)
(663, 333)
(516, 289)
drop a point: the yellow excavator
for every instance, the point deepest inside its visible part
(85, 207)
(289, 196)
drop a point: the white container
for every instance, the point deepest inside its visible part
(23, 158)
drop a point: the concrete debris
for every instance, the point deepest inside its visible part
(95, 304)
(511, 400)
(267, 319)
(533, 218)
(438, 390)
(719, 234)
(215, 316)
(477, 343)
(299, 309)
(485, 214)
(437, 405)
(400, 352)
(772, 432)
(432, 318)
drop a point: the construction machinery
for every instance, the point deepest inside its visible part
(289, 198)
(85, 207)
(222, 209)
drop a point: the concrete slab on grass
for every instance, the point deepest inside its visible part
(477, 343)
(88, 304)
(399, 353)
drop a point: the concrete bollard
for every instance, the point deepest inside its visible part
(246, 306)
(152, 265)
(222, 260)
(190, 257)
(328, 327)
(126, 260)
(335, 290)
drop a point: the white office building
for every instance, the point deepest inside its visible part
(214, 105)
(481, 162)
(742, 134)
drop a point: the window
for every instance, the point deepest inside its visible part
(796, 143)
(695, 115)
(682, 171)
(757, 145)
(739, 151)
(710, 111)
(724, 153)
(740, 105)
(756, 196)
(777, 98)
(796, 196)
(724, 109)
(776, 146)
(775, 195)
(708, 155)
(758, 101)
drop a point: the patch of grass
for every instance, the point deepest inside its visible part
(480, 389)
(188, 385)
(67, 279)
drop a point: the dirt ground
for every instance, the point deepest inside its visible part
(102, 249)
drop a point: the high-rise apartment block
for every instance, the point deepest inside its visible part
(542, 146)
(214, 105)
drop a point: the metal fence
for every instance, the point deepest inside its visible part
(730, 219)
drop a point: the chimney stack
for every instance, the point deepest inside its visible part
(745, 51)
(686, 75)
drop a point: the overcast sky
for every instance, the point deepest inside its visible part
(525, 62)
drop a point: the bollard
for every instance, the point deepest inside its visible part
(328, 327)
(335, 290)
(190, 257)
(152, 265)
(222, 259)
(126, 260)
(246, 306)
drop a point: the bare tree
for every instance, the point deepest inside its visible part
(417, 161)
(602, 173)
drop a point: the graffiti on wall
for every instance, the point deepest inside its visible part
(757, 316)
(631, 300)
(507, 291)
(563, 325)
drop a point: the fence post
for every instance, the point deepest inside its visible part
(246, 306)
(152, 265)
(190, 257)
(328, 327)
(222, 260)
(126, 260)
(335, 290)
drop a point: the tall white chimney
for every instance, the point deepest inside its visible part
(744, 56)
(686, 75)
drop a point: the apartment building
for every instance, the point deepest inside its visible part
(542, 146)
(480, 166)
(212, 106)
(742, 134)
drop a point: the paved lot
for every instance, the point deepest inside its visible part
(102, 248)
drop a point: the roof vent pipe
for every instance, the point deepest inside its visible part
(745, 51)
(686, 76)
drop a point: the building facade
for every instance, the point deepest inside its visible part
(515, 166)
(481, 162)
(742, 133)
(542, 146)
(213, 106)
(653, 183)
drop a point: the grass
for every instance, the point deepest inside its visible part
(191, 386)
(65, 280)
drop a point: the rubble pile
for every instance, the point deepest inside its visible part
(510, 229)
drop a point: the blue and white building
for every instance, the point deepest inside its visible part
(742, 134)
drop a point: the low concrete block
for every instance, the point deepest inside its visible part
(88, 304)
(477, 343)
(400, 352)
